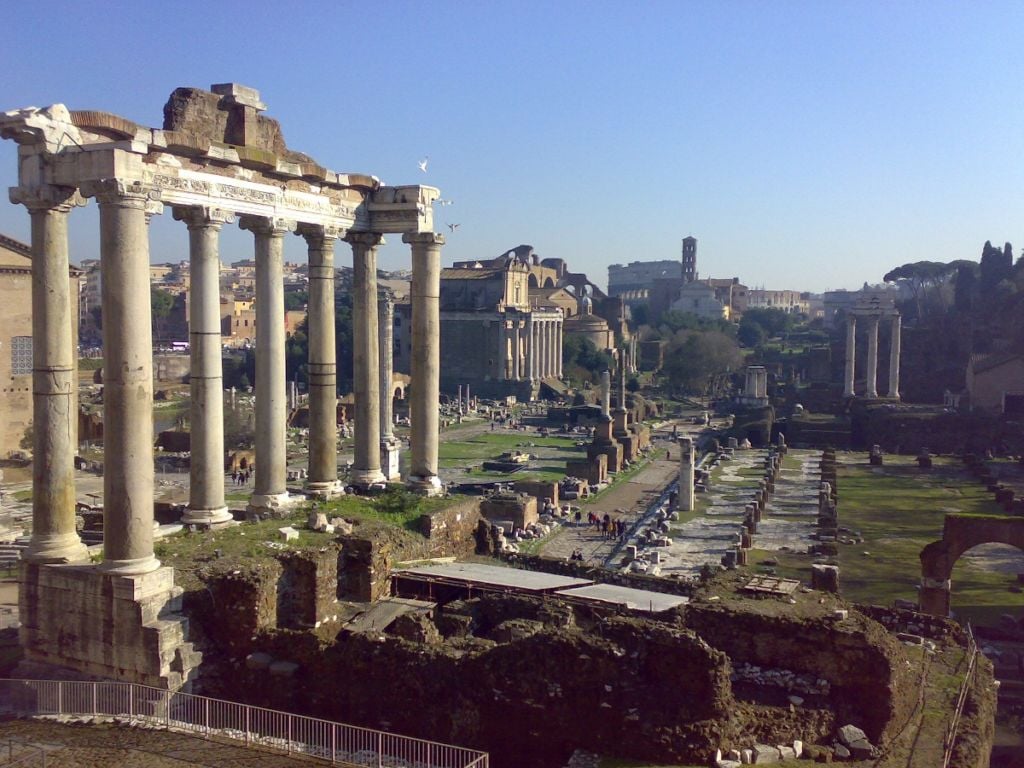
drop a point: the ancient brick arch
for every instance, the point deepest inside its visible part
(960, 533)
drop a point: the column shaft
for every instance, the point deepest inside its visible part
(271, 406)
(127, 381)
(322, 362)
(206, 505)
(894, 358)
(386, 315)
(54, 389)
(426, 359)
(871, 365)
(517, 351)
(503, 374)
(366, 360)
(850, 378)
(558, 350)
(686, 471)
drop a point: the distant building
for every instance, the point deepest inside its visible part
(837, 303)
(16, 341)
(995, 383)
(790, 302)
(641, 275)
(698, 298)
(689, 259)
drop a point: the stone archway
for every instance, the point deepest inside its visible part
(960, 533)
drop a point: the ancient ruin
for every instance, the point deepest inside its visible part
(872, 311)
(215, 160)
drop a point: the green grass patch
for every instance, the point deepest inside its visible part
(898, 509)
(397, 507)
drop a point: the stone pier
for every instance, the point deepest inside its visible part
(322, 476)
(389, 444)
(206, 504)
(426, 361)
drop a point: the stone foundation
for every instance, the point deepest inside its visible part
(126, 628)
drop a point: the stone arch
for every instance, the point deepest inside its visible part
(533, 281)
(960, 533)
(549, 283)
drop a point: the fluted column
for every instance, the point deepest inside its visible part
(389, 446)
(206, 504)
(504, 374)
(871, 365)
(54, 389)
(322, 480)
(426, 359)
(271, 491)
(558, 349)
(850, 372)
(531, 348)
(542, 349)
(517, 350)
(128, 471)
(894, 358)
(366, 360)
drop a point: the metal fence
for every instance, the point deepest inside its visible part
(972, 663)
(254, 726)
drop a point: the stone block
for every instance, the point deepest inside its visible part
(765, 754)
(851, 733)
(288, 533)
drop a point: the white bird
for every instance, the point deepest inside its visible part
(423, 164)
(453, 227)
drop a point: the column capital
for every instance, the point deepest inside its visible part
(124, 193)
(423, 238)
(202, 216)
(47, 198)
(364, 239)
(385, 301)
(319, 235)
(273, 226)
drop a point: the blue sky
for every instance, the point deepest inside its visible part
(807, 145)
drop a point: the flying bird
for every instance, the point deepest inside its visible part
(423, 164)
(453, 227)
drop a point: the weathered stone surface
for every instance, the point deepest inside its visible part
(765, 754)
(850, 733)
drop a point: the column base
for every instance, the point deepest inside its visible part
(209, 517)
(269, 503)
(429, 485)
(138, 566)
(57, 548)
(389, 452)
(365, 478)
(326, 489)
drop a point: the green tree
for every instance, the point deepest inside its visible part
(161, 304)
(751, 333)
(694, 360)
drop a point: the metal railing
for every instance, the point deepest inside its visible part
(950, 736)
(336, 743)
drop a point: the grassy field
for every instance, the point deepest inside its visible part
(472, 452)
(898, 509)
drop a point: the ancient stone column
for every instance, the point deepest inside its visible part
(54, 388)
(426, 359)
(271, 491)
(206, 504)
(517, 350)
(894, 358)
(686, 498)
(366, 360)
(606, 394)
(127, 377)
(531, 348)
(322, 480)
(545, 349)
(558, 350)
(500, 350)
(851, 356)
(871, 366)
(389, 445)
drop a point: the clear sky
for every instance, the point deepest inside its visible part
(807, 145)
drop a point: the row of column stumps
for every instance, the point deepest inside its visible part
(128, 481)
(871, 364)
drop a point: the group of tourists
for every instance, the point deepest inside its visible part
(608, 528)
(241, 476)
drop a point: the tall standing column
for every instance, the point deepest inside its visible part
(871, 365)
(531, 348)
(894, 358)
(271, 491)
(504, 374)
(366, 360)
(686, 471)
(542, 349)
(127, 378)
(389, 446)
(558, 351)
(206, 503)
(849, 378)
(322, 481)
(517, 350)
(54, 389)
(426, 360)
